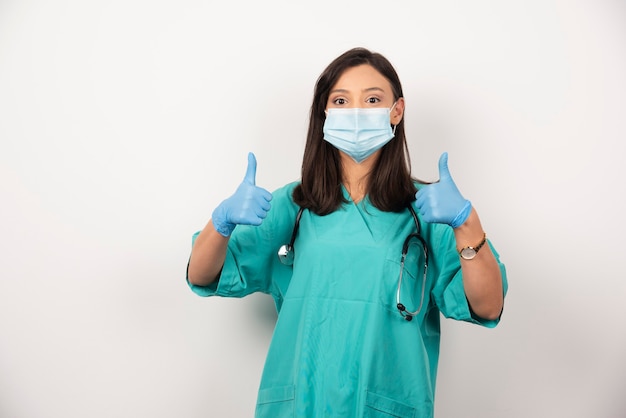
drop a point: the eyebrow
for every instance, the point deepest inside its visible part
(370, 89)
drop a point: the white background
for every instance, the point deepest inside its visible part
(123, 123)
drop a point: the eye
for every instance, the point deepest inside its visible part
(372, 100)
(340, 101)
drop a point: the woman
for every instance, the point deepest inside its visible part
(359, 305)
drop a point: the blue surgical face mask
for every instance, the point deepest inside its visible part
(358, 132)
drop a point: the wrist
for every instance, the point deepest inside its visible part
(224, 229)
(221, 225)
(462, 216)
(470, 233)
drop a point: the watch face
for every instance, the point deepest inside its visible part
(468, 253)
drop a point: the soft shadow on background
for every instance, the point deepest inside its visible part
(124, 123)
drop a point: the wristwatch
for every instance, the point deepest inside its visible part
(470, 252)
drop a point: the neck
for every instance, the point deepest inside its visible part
(356, 176)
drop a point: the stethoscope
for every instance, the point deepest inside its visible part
(286, 256)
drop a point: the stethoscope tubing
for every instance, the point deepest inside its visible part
(286, 256)
(408, 315)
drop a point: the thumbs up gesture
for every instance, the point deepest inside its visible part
(442, 202)
(247, 206)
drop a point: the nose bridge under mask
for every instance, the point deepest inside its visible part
(360, 108)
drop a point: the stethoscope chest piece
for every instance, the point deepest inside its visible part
(285, 254)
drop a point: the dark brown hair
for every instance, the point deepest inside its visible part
(391, 186)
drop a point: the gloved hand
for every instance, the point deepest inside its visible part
(442, 202)
(248, 206)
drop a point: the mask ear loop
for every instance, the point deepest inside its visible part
(394, 126)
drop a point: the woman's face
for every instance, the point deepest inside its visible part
(363, 86)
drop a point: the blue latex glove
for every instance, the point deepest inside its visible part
(248, 206)
(442, 202)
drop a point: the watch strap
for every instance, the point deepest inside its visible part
(476, 247)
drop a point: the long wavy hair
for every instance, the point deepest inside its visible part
(391, 187)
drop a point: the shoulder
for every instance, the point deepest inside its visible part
(420, 184)
(282, 199)
(285, 192)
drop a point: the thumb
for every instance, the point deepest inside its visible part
(251, 171)
(444, 172)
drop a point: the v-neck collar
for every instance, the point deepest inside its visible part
(378, 223)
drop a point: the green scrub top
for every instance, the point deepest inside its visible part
(340, 348)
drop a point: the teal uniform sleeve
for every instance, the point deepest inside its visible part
(252, 263)
(449, 293)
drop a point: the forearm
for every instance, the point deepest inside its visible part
(482, 278)
(207, 256)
